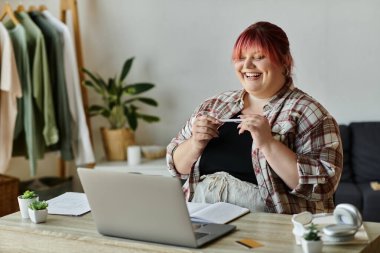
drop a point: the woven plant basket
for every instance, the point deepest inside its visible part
(116, 141)
(8, 194)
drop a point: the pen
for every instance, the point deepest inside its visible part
(231, 120)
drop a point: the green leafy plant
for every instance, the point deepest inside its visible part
(312, 233)
(28, 195)
(119, 99)
(38, 205)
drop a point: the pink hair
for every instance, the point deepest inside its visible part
(270, 39)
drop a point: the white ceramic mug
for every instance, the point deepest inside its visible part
(133, 155)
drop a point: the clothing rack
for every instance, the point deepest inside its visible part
(65, 7)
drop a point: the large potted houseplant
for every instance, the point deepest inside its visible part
(120, 108)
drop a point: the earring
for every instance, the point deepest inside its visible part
(286, 73)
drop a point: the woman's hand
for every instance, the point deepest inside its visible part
(204, 128)
(259, 128)
(281, 159)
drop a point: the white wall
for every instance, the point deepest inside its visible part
(184, 47)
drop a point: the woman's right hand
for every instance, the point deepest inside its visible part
(204, 128)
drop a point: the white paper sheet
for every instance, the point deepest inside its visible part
(69, 203)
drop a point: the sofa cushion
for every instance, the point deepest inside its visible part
(371, 203)
(346, 141)
(349, 193)
(365, 151)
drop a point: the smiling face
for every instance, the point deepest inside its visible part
(259, 76)
(262, 59)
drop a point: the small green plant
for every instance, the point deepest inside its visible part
(38, 205)
(312, 233)
(28, 195)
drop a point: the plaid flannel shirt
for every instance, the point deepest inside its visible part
(303, 125)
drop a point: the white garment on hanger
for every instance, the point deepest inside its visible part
(82, 147)
(10, 89)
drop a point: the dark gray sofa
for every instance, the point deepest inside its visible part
(361, 148)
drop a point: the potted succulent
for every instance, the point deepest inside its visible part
(38, 211)
(311, 241)
(120, 108)
(24, 201)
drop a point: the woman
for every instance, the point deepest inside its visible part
(284, 156)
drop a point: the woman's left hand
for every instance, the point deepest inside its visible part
(279, 157)
(259, 128)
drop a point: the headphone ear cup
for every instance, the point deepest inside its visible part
(347, 214)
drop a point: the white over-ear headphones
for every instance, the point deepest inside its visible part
(348, 221)
(348, 214)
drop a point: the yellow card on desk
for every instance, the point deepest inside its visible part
(249, 243)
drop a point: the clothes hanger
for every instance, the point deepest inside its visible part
(7, 10)
(32, 8)
(20, 7)
(42, 7)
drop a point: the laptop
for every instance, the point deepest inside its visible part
(144, 207)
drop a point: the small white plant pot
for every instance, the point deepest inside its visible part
(23, 204)
(38, 216)
(311, 246)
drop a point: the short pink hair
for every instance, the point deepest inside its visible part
(270, 39)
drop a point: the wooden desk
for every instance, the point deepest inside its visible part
(78, 234)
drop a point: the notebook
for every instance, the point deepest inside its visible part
(219, 212)
(144, 207)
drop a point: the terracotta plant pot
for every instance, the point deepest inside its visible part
(116, 141)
